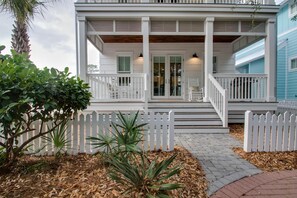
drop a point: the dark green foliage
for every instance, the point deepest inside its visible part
(145, 177)
(125, 138)
(28, 94)
(129, 165)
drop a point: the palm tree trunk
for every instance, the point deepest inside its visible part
(20, 38)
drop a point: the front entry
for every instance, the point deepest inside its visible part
(167, 73)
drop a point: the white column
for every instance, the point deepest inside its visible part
(146, 56)
(208, 53)
(82, 48)
(270, 59)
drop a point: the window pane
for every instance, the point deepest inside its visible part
(294, 63)
(124, 64)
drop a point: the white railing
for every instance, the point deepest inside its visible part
(117, 87)
(244, 87)
(287, 105)
(251, 2)
(270, 132)
(218, 98)
(158, 134)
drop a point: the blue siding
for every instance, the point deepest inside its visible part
(257, 66)
(283, 22)
(281, 73)
(243, 69)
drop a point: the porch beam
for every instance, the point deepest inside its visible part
(270, 58)
(145, 23)
(208, 54)
(82, 48)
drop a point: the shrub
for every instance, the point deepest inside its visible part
(28, 94)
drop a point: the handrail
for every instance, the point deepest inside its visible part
(238, 2)
(218, 99)
(117, 87)
(244, 87)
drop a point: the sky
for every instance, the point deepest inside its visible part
(52, 36)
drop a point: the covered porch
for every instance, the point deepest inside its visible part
(164, 54)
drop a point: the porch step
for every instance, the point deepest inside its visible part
(191, 117)
(206, 130)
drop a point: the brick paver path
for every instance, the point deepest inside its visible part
(214, 151)
(265, 185)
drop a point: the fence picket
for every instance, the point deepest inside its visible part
(273, 133)
(270, 132)
(152, 131)
(164, 133)
(267, 131)
(292, 132)
(171, 130)
(255, 132)
(94, 129)
(285, 132)
(75, 139)
(88, 133)
(158, 131)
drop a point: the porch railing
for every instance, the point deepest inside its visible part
(218, 98)
(244, 87)
(254, 2)
(117, 87)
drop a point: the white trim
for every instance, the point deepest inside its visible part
(292, 15)
(121, 54)
(290, 61)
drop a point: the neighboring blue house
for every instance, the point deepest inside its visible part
(251, 59)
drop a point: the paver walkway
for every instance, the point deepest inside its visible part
(214, 151)
(265, 185)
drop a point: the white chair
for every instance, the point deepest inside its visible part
(195, 92)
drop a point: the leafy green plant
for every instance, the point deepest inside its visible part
(28, 94)
(125, 138)
(146, 178)
(59, 139)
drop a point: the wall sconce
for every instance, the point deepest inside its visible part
(195, 55)
(140, 55)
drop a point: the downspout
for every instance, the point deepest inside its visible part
(76, 43)
(287, 67)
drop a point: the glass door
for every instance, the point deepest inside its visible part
(167, 77)
(159, 77)
(175, 76)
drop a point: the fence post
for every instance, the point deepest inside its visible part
(171, 130)
(248, 131)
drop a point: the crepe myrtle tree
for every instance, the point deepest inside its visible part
(28, 94)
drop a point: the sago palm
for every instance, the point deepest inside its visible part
(22, 11)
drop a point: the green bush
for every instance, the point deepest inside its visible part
(28, 94)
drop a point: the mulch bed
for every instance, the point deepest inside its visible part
(266, 161)
(86, 176)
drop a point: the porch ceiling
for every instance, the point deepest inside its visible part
(164, 39)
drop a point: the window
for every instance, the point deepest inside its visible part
(214, 62)
(124, 67)
(292, 9)
(293, 63)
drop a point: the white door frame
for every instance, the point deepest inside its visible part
(167, 76)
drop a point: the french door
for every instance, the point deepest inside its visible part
(167, 75)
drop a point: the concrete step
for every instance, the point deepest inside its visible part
(201, 129)
(198, 123)
(196, 116)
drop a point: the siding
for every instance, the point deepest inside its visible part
(257, 66)
(281, 74)
(283, 22)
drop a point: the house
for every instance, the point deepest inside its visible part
(162, 55)
(251, 59)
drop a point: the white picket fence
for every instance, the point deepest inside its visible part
(158, 134)
(270, 132)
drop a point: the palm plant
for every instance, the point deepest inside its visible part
(22, 11)
(125, 138)
(146, 178)
(59, 139)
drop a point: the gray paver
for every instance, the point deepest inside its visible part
(214, 151)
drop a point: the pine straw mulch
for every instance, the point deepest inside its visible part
(86, 176)
(266, 161)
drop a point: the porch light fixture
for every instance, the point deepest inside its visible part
(140, 55)
(195, 55)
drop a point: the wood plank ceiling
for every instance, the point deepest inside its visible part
(164, 39)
